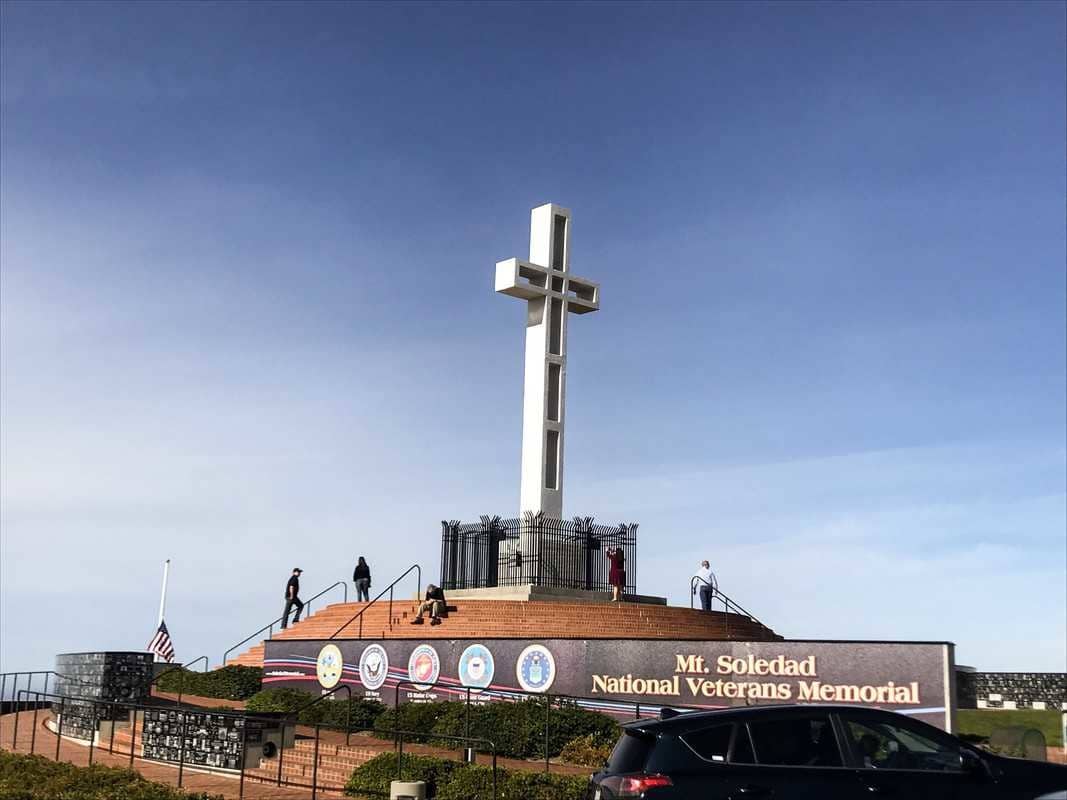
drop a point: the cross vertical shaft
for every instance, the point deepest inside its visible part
(552, 293)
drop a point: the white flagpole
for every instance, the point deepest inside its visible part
(163, 593)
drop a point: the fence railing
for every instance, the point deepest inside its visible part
(269, 627)
(359, 614)
(113, 712)
(535, 550)
(696, 583)
(136, 714)
(30, 675)
(181, 669)
(28, 699)
(516, 694)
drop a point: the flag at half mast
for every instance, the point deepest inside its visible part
(161, 644)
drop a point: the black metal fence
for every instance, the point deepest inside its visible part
(535, 550)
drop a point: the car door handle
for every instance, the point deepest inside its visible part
(874, 788)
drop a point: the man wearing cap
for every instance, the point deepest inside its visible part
(292, 589)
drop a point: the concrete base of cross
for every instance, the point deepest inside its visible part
(528, 592)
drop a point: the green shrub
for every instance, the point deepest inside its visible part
(37, 778)
(452, 780)
(476, 783)
(411, 717)
(277, 700)
(374, 776)
(359, 713)
(517, 729)
(589, 750)
(230, 683)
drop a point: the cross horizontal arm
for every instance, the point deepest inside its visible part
(527, 281)
(521, 279)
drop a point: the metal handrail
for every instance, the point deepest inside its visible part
(359, 614)
(348, 711)
(182, 669)
(48, 673)
(132, 707)
(727, 601)
(549, 698)
(270, 627)
(399, 739)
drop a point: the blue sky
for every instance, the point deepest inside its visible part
(247, 317)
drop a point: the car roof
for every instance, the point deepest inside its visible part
(694, 720)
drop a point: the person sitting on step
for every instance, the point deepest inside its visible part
(434, 604)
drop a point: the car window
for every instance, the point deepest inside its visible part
(630, 753)
(742, 753)
(893, 745)
(711, 744)
(806, 741)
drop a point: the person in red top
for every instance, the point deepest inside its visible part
(617, 575)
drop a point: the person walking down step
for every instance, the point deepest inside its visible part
(705, 581)
(292, 598)
(361, 578)
(434, 604)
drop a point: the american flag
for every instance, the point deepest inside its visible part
(161, 644)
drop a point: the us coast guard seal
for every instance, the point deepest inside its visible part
(536, 668)
(373, 667)
(476, 667)
(328, 666)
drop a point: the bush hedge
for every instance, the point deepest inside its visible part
(229, 683)
(517, 729)
(475, 782)
(374, 776)
(37, 778)
(363, 713)
(452, 780)
(589, 750)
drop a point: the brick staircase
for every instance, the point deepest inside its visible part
(511, 619)
(336, 762)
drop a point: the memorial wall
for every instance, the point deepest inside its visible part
(107, 677)
(915, 678)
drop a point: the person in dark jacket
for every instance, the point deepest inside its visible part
(361, 578)
(434, 604)
(292, 590)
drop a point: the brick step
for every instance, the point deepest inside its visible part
(520, 619)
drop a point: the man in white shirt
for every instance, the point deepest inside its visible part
(706, 583)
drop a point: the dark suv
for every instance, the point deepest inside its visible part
(811, 752)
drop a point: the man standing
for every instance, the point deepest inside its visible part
(292, 590)
(705, 580)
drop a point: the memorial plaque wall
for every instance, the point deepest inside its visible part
(106, 676)
(211, 739)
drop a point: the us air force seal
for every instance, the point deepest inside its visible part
(536, 668)
(328, 666)
(373, 667)
(476, 667)
(424, 667)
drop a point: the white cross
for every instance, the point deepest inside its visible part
(546, 283)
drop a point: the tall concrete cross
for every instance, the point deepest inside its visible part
(550, 291)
